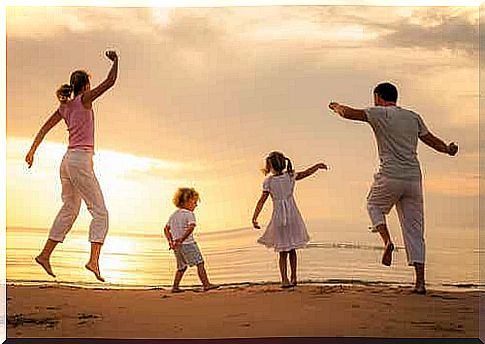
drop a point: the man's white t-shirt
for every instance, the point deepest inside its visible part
(397, 131)
(179, 221)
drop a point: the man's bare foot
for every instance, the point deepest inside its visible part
(45, 264)
(419, 289)
(293, 282)
(387, 256)
(210, 287)
(286, 284)
(177, 290)
(95, 270)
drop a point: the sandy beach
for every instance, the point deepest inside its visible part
(240, 311)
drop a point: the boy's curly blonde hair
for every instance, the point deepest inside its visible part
(182, 195)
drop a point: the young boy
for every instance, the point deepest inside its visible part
(178, 232)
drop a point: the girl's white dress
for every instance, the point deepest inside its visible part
(286, 230)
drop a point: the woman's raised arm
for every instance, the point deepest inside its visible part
(91, 95)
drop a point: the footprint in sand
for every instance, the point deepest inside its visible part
(20, 320)
(86, 318)
(236, 315)
(449, 327)
(445, 297)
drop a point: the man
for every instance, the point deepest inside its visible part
(398, 181)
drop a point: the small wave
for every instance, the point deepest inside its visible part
(225, 231)
(97, 285)
(80, 284)
(465, 285)
(351, 246)
(230, 285)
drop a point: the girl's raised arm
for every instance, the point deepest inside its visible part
(91, 95)
(311, 170)
(48, 125)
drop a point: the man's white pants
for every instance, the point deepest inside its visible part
(407, 196)
(79, 182)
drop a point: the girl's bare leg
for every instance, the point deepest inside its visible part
(293, 260)
(93, 264)
(43, 259)
(283, 269)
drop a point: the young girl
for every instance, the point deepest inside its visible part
(286, 231)
(178, 232)
(77, 175)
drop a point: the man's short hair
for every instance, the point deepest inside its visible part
(386, 91)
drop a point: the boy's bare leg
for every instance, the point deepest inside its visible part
(204, 279)
(43, 259)
(176, 281)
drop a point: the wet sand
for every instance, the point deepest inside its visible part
(240, 311)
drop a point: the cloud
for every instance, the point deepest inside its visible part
(189, 28)
(431, 28)
(40, 22)
(200, 28)
(208, 71)
(434, 29)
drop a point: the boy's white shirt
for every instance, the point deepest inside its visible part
(179, 222)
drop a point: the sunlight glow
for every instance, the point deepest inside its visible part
(121, 164)
(132, 196)
(224, 3)
(109, 163)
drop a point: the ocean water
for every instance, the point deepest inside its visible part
(337, 253)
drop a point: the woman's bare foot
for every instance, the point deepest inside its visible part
(45, 264)
(387, 256)
(95, 270)
(420, 291)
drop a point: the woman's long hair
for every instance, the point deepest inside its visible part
(78, 80)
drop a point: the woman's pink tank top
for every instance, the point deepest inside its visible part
(80, 124)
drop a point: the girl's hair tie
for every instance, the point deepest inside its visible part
(64, 93)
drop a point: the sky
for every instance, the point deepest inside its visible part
(204, 94)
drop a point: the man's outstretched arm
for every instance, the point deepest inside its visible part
(348, 112)
(438, 144)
